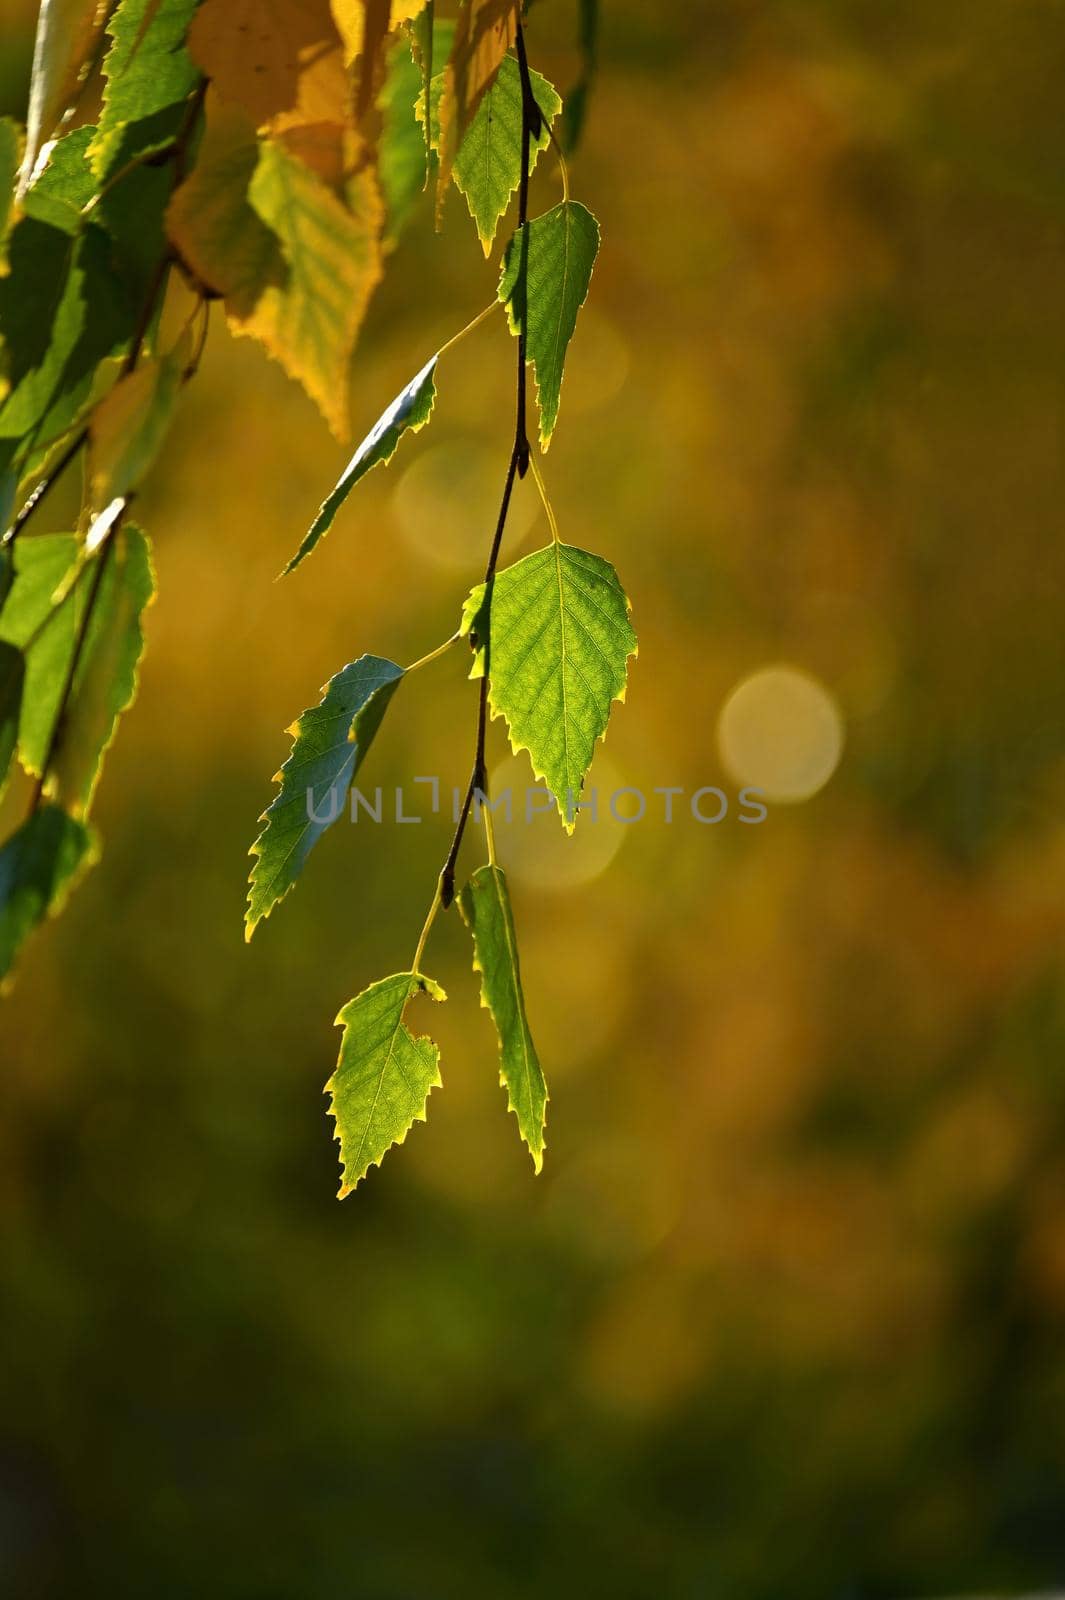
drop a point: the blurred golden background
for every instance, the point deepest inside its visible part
(784, 1314)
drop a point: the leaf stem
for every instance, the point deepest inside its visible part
(489, 832)
(562, 164)
(423, 938)
(548, 508)
(476, 323)
(423, 661)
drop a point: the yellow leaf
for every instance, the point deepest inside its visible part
(333, 256)
(259, 52)
(484, 33)
(350, 18)
(211, 220)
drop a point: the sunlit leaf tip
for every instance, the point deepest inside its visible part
(410, 410)
(383, 1076)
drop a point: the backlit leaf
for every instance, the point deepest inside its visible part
(487, 167)
(560, 639)
(149, 76)
(333, 256)
(485, 907)
(411, 409)
(51, 341)
(546, 272)
(330, 744)
(383, 1076)
(105, 681)
(484, 33)
(65, 182)
(39, 865)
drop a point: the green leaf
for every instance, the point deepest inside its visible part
(487, 168)
(44, 632)
(546, 272)
(411, 409)
(65, 184)
(401, 149)
(331, 741)
(43, 617)
(560, 639)
(12, 674)
(52, 341)
(485, 907)
(149, 75)
(383, 1076)
(107, 678)
(39, 865)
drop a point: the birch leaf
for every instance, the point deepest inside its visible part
(485, 907)
(149, 75)
(330, 744)
(547, 269)
(39, 865)
(411, 409)
(559, 644)
(487, 167)
(383, 1076)
(484, 33)
(43, 617)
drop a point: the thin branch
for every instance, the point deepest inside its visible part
(516, 467)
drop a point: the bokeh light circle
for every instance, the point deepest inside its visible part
(781, 731)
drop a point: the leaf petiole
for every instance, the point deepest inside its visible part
(476, 323)
(548, 508)
(423, 661)
(415, 965)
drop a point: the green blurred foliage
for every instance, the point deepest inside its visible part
(784, 1313)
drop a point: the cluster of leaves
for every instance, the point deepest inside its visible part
(179, 152)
